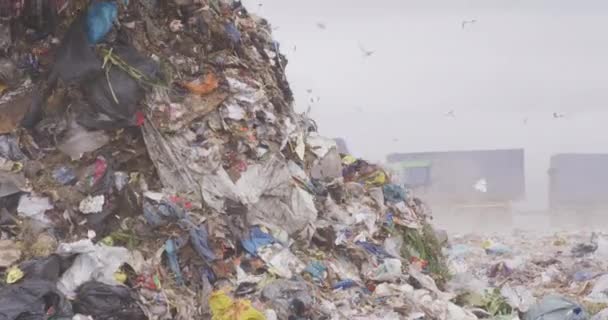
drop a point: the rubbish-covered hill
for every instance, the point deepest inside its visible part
(153, 167)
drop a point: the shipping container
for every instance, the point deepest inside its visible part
(578, 181)
(477, 178)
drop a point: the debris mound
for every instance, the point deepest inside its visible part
(152, 166)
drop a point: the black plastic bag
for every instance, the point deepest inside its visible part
(105, 302)
(33, 299)
(37, 297)
(75, 59)
(115, 106)
(50, 268)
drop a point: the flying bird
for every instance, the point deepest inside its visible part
(366, 53)
(451, 114)
(558, 115)
(321, 25)
(465, 22)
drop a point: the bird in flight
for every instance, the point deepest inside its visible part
(366, 53)
(465, 22)
(451, 114)
(558, 115)
(321, 25)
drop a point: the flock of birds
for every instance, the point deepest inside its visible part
(556, 115)
(368, 53)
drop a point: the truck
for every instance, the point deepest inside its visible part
(477, 178)
(578, 181)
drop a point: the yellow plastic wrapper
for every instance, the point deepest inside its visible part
(120, 276)
(376, 179)
(13, 275)
(487, 244)
(348, 160)
(108, 241)
(224, 308)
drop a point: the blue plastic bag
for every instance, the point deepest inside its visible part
(199, 238)
(171, 249)
(100, 19)
(393, 193)
(344, 284)
(257, 239)
(316, 269)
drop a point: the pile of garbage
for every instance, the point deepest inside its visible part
(531, 275)
(152, 166)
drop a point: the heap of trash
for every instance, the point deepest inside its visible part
(152, 166)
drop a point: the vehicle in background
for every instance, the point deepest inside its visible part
(578, 181)
(479, 179)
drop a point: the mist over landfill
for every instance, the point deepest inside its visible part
(520, 61)
(172, 159)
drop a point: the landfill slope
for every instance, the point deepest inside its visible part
(152, 166)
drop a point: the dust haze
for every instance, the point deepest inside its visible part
(451, 75)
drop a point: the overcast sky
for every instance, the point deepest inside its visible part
(503, 76)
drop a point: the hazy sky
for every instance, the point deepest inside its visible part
(503, 76)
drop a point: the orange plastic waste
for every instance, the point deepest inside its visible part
(203, 86)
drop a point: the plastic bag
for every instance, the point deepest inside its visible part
(389, 270)
(161, 213)
(288, 298)
(556, 308)
(100, 19)
(518, 297)
(256, 239)
(116, 94)
(224, 308)
(78, 141)
(34, 207)
(75, 59)
(9, 148)
(33, 299)
(105, 302)
(94, 262)
(281, 261)
(200, 242)
(393, 193)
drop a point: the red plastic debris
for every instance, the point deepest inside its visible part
(140, 118)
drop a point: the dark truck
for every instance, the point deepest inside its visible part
(578, 181)
(483, 178)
